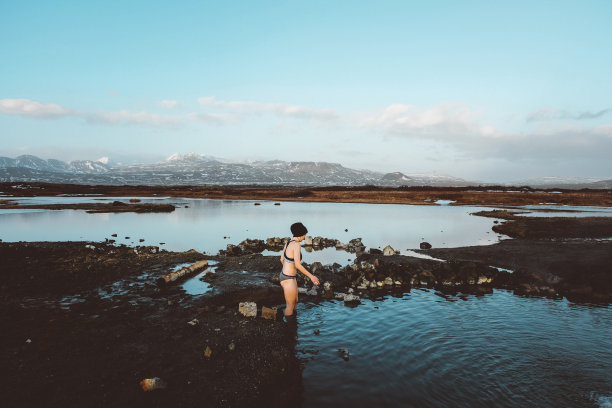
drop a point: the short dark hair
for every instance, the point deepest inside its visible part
(298, 229)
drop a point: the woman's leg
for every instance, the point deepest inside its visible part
(290, 289)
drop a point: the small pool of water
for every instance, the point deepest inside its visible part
(431, 350)
(195, 285)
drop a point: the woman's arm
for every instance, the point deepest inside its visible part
(297, 256)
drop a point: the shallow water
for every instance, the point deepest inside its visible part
(425, 349)
(209, 225)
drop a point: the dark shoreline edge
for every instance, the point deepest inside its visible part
(424, 195)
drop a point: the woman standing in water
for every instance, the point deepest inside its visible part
(291, 259)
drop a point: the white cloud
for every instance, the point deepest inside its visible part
(169, 104)
(215, 118)
(462, 130)
(549, 114)
(125, 117)
(36, 110)
(282, 110)
(442, 122)
(33, 109)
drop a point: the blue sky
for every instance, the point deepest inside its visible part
(484, 90)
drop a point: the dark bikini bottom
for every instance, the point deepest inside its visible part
(283, 277)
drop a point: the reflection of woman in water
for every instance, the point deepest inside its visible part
(291, 259)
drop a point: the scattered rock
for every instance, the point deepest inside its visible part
(269, 312)
(276, 203)
(207, 352)
(256, 203)
(388, 251)
(231, 346)
(134, 200)
(425, 245)
(193, 322)
(308, 240)
(114, 235)
(141, 240)
(127, 237)
(355, 245)
(28, 341)
(344, 353)
(152, 384)
(248, 309)
(327, 286)
(375, 251)
(317, 332)
(351, 299)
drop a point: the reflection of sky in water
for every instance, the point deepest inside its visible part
(325, 256)
(205, 223)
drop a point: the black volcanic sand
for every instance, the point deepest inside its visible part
(66, 342)
(95, 350)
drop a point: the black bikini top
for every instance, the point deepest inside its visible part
(290, 260)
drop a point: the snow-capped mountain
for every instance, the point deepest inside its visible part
(53, 165)
(197, 169)
(433, 179)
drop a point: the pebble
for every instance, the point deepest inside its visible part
(231, 346)
(28, 341)
(151, 384)
(193, 322)
(207, 352)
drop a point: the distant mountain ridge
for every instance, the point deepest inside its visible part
(198, 169)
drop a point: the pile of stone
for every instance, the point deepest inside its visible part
(373, 272)
(276, 243)
(354, 246)
(320, 242)
(248, 246)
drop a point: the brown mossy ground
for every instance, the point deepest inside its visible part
(491, 195)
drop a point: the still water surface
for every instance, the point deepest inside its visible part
(209, 225)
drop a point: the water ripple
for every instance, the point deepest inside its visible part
(422, 350)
